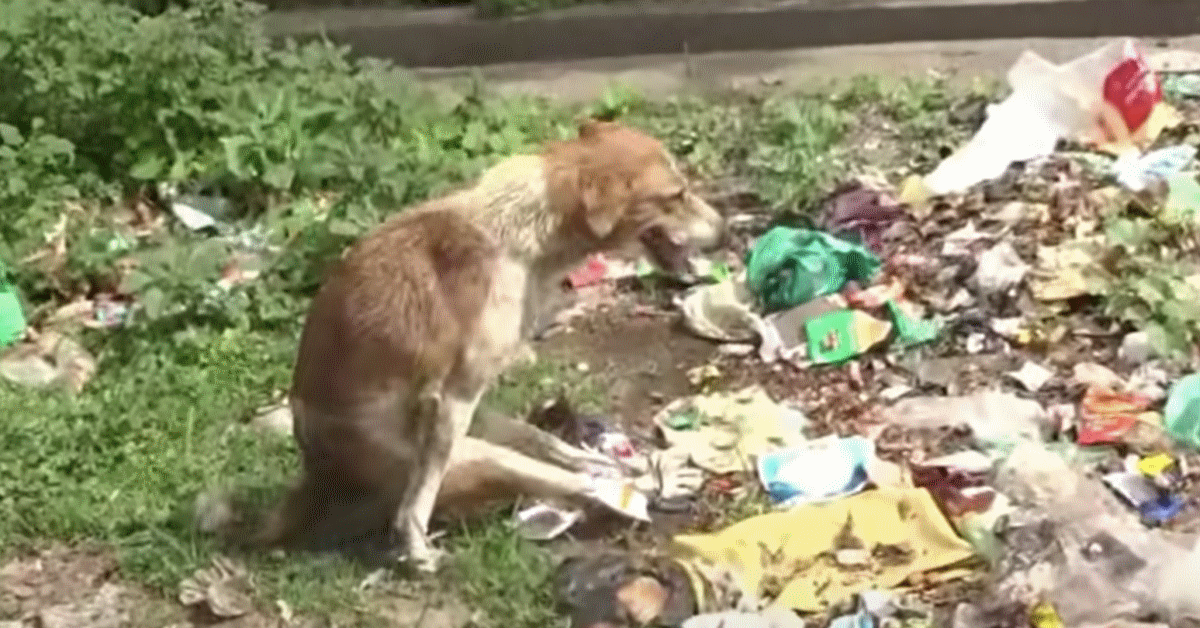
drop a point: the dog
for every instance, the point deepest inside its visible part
(419, 317)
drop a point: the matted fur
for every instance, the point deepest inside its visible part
(419, 317)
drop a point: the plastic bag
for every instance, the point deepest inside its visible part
(996, 419)
(1105, 97)
(1072, 544)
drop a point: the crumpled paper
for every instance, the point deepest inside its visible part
(726, 432)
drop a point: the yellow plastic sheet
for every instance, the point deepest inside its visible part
(788, 555)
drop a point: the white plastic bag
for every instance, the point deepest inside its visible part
(1050, 102)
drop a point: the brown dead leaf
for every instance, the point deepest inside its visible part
(224, 588)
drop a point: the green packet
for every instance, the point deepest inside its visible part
(12, 317)
(843, 334)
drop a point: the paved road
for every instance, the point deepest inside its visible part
(663, 75)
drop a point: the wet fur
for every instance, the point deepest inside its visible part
(420, 316)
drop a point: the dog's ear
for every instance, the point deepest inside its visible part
(603, 205)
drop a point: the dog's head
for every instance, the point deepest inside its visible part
(630, 190)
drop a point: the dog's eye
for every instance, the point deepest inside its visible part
(676, 196)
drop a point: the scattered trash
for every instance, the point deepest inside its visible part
(1111, 86)
(1063, 272)
(1181, 415)
(12, 316)
(772, 617)
(622, 496)
(910, 329)
(1032, 376)
(901, 531)
(721, 311)
(860, 213)
(671, 476)
(597, 269)
(1136, 348)
(198, 212)
(959, 243)
(49, 360)
(1106, 416)
(996, 419)
(726, 432)
(843, 334)
(787, 267)
(1072, 545)
(225, 588)
(643, 599)
(789, 325)
(616, 445)
(1156, 505)
(1140, 172)
(1000, 269)
(818, 470)
(542, 522)
(1096, 375)
(612, 589)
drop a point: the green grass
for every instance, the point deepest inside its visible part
(90, 121)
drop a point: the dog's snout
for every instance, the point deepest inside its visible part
(710, 231)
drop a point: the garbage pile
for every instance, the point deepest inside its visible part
(1023, 446)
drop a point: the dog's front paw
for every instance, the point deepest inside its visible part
(523, 356)
(426, 560)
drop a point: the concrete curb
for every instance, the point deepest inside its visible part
(453, 38)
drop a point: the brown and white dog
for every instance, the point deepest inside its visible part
(419, 318)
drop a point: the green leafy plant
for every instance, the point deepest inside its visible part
(1149, 282)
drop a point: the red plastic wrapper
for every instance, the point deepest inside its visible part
(1133, 88)
(1105, 416)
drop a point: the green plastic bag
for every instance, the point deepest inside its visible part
(787, 267)
(12, 317)
(1181, 415)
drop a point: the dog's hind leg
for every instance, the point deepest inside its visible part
(448, 425)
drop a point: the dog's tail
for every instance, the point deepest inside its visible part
(292, 519)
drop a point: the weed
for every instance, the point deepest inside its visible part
(1149, 281)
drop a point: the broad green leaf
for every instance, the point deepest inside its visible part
(10, 135)
(279, 176)
(148, 167)
(343, 228)
(233, 155)
(154, 302)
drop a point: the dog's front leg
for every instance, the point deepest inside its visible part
(453, 418)
(505, 431)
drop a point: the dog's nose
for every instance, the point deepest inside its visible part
(717, 236)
